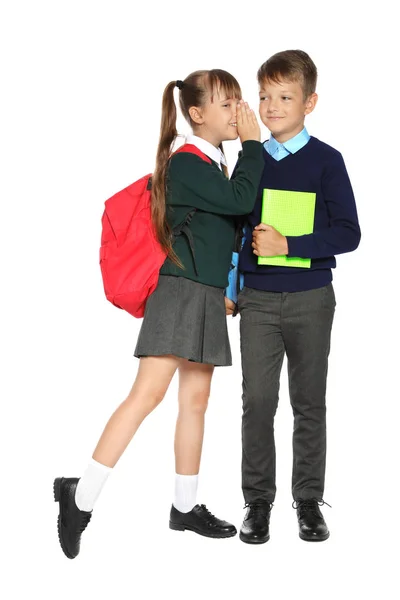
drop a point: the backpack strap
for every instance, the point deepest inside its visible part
(183, 229)
(240, 224)
(192, 149)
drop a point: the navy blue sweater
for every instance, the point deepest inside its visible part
(317, 168)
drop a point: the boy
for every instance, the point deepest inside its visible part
(290, 310)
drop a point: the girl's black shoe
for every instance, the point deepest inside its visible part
(201, 521)
(71, 521)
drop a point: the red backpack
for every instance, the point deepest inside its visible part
(130, 254)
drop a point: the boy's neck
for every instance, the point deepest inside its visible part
(285, 137)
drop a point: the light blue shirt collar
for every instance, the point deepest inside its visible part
(290, 146)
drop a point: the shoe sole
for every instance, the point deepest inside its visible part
(57, 493)
(247, 540)
(314, 539)
(178, 527)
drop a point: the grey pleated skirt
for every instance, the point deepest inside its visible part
(186, 319)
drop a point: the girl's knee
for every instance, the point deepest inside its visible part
(195, 403)
(146, 401)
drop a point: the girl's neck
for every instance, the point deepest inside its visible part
(208, 138)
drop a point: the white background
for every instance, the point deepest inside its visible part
(81, 95)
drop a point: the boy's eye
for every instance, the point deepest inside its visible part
(263, 98)
(286, 97)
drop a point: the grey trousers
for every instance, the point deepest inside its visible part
(272, 323)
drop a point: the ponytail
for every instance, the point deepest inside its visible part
(194, 91)
(168, 134)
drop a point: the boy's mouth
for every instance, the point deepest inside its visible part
(233, 124)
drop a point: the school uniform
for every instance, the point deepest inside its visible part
(185, 316)
(291, 310)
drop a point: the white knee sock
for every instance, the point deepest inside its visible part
(90, 485)
(185, 492)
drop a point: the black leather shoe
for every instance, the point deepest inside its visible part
(71, 521)
(255, 527)
(201, 521)
(312, 526)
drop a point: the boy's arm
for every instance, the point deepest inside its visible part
(343, 234)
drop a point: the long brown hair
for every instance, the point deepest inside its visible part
(195, 90)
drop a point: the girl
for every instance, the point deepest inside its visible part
(184, 326)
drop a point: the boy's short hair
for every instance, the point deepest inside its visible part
(292, 65)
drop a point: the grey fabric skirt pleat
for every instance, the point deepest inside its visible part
(186, 319)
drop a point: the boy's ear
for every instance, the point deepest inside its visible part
(311, 103)
(196, 115)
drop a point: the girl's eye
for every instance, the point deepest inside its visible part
(286, 98)
(263, 98)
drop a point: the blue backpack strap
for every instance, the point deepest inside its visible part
(241, 224)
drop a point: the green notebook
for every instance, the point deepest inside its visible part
(291, 213)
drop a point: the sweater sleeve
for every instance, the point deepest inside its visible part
(209, 190)
(343, 234)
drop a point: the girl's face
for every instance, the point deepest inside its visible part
(216, 120)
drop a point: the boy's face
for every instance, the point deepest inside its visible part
(283, 108)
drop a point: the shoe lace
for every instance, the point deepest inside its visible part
(309, 505)
(259, 508)
(206, 514)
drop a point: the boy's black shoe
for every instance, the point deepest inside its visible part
(312, 526)
(71, 520)
(201, 521)
(255, 527)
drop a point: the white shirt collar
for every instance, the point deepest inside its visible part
(214, 153)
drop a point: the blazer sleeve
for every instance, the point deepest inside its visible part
(209, 190)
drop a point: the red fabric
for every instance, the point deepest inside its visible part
(130, 254)
(193, 150)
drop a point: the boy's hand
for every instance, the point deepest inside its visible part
(247, 124)
(267, 241)
(229, 306)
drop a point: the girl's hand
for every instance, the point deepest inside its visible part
(247, 124)
(229, 306)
